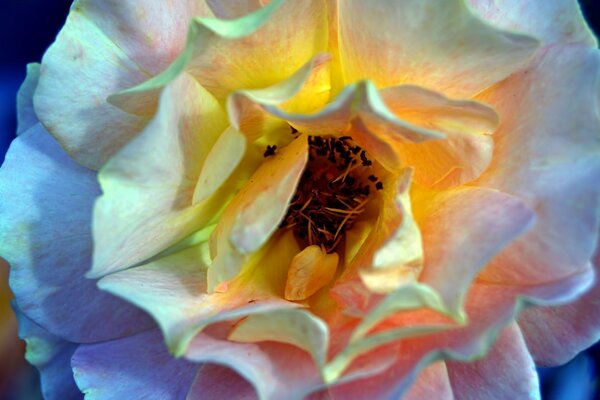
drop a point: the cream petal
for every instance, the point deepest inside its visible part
(558, 21)
(255, 51)
(149, 185)
(173, 291)
(547, 154)
(231, 9)
(467, 150)
(26, 117)
(444, 47)
(299, 328)
(506, 372)
(462, 230)
(256, 211)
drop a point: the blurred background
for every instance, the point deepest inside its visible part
(27, 28)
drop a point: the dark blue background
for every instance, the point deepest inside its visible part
(28, 27)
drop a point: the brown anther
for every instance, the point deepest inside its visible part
(270, 151)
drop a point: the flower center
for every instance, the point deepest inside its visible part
(333, 191)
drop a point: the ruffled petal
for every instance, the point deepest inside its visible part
(558, 21)
(547, 153)
(136, 367)
(173, 290)
(506, 372)
(444, 47)
(45, 235)
(147, 204)
(26, 117)
(51, 355)
(254, 51)
(467, 149)
(462, 230)
(277, 371)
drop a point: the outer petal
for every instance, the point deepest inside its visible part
(555, 335)
(137, 367)
(149, 185)
(257, 50)
(442, 46)
(52, 357)
(559, 21)
(548, 154)
(506, 372)
(45, 235)
(26, 117)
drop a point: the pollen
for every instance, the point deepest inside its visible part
(332, 193)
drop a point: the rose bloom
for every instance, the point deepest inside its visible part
(306, 199)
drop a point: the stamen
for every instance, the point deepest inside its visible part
(332, 192)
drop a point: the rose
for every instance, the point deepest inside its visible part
(460, 229)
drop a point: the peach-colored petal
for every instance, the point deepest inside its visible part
(442, 46)
(467, 149)
(558, 21)
(359, 111)
(462, 230)
(216, 382)
(255, 51)
(506, 372)
(547, 153)
(256, 211)
(149, 185)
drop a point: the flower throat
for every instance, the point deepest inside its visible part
(332, 193)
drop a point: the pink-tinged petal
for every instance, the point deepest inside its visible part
(254, 51)
(432, 383)
(462, 230)
(216, 382)
(136, 367)
(277, 371)
(467, 149)
(506, 372)
(173, 290)
(547, 153)
(472, 340)
(555, 335)
(148, 187)
(255, 213)
(51, 355)
(26, 117)
(444, 46)
(558, 21)
(45, 235)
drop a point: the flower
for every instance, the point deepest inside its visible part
(306, 198)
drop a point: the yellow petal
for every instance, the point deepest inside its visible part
(311, 269)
